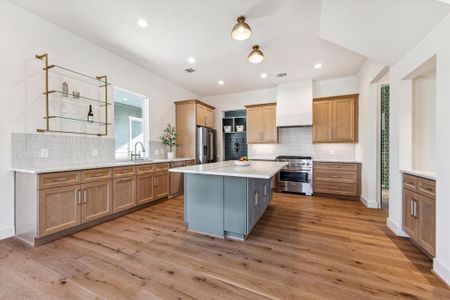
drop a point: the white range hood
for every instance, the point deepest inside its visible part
(294, 103)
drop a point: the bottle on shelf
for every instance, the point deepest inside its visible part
(90, 116)
(65, 89)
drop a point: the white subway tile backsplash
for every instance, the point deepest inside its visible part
(291, 141)
(62, 150)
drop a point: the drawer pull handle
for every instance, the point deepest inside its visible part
(427, 189)
(61, 179)
(335, 176)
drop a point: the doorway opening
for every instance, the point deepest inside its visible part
(384, 147)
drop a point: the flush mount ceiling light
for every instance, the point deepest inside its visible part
(263, 75)
(142, 23)
(191, 60)
(241, 31)
(318, 66)
(256, 56)
(221, 82)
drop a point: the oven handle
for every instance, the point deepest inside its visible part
(295, 171)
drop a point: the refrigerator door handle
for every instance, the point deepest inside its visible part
(211, 147)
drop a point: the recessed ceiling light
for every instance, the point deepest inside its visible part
(221, 82)
(142, 23)
(191, 60)
(318, 66)
(263, 75)
(125, 99)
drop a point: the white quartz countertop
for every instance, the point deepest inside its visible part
(256, 169)
(117, 163)
(424, 174)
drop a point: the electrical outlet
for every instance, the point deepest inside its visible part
(44, 153)
(94, 152)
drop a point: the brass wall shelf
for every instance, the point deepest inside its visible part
(74, 98)
(100, 81)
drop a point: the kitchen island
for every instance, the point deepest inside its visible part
(224, 200)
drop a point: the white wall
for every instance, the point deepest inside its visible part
(424, 122)
(434, 43)
(334, 87)
(22, 36)
(366, 149)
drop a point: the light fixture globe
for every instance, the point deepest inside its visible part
(241, 31)
(256, 56)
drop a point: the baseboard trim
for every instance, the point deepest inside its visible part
(369, 204)
(442, 272)
(396, 229)
(7, 232)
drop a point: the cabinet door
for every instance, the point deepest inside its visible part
(254, 129)
(97, 200)
(161, 185)
(144, 188)
(59, 209)
(344, 121)
(124, 193)
(209, 118)
(427, 224)
(268, 124)
(410, 222)
(323, 121)
(201, 115)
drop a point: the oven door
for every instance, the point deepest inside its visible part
(301, 176)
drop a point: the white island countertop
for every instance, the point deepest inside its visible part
(256, 169)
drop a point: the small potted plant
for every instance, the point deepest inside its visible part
(169, 138)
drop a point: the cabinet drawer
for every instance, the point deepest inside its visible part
(335, 166)
(124, 172)
(344, 189)
(161, 167)
(410, 182)
(146, 169)
(426, 187)
(51, 180)
(96, 174)
(333, 176)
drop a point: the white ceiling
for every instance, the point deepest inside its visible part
(384, 30)
(287, 31)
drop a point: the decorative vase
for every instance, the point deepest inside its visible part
(170, 155)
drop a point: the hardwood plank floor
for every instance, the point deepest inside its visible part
(302, 248)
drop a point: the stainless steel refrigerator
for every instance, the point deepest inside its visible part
(206, 145)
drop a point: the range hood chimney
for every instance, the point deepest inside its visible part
(294, 103)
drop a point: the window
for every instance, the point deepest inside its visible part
(130, 122)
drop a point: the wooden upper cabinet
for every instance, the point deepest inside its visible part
(261, 123)
(205, 115)
(335, 119)
(323, 121)
(254, 125)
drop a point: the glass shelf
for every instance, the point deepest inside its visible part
(235, 132)
(56, 68)
(101, 103)
(78, 120)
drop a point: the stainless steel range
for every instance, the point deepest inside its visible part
(296, 177)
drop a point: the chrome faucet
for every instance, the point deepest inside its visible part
(136, 155)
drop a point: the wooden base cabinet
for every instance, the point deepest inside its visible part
(419, 212)
(124, 193)
(59, 209)
(97, 200)
(51, 205)
(337, 179)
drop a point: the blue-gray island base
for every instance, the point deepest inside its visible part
(226, 205)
